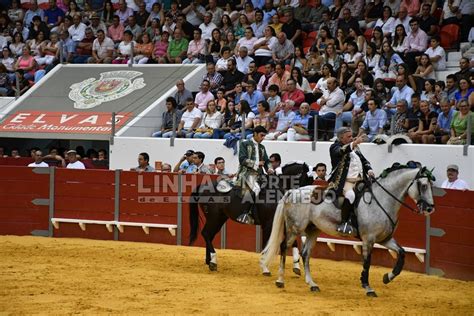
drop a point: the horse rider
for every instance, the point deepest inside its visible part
(349, 167)
(253, 162)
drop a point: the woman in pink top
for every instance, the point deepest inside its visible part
(27, 63)
(161, 48)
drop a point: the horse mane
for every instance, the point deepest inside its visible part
(296, 163)
(409, 165)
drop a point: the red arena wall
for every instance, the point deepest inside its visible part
(31, 197)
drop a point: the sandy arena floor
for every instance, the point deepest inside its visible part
(59, 276)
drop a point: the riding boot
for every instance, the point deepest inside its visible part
(345, 228)
(249, 216)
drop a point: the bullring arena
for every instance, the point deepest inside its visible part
(69, 276)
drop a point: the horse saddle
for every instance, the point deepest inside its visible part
(224, 186)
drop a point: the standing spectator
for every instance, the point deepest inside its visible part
(453, 182)
(190, 120)
(74, 163)
(204, 96)
(426, 125)
(374, 121)
(182, 94)
(143, 163)
(166, 129)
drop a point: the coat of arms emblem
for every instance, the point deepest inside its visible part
(110, 86)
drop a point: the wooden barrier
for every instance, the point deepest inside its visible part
(32, 197)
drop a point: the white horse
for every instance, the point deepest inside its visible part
(377, 217)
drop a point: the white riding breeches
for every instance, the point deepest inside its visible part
(253, 184)
(349, 191)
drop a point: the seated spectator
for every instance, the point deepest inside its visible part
(459, 125)
(202, 168)
(124, 49)
(115, 31)
(353, 106)
(436, 54)
(39, 26)
(284, 116)
(243, 108)
(197, 49)
(371, 58)
(5, 87)
(155, 32)
(363, 73)
(424, 71)
(102, 49)
(186, 162)
(16, 47)
(282, 50)
(301, 82)
(263, 47)
(280, 77)
(402, 118)
(161, 48)
(155, 14)
(24, 84)
(252, 96)
(38, 157)
(167, 122)
(221, 101)
(177, 48)
(400, 92)
(428, 22)
(182, 94)
(215, 45)
(252, 74)
(248, 41)
(231, 77)
(83, 49)
(399, 39)
(386, 22)
(464, 92)
(243, 60)
(27, 64)
(166, 167)
(387, 66)
(465, 70)
(404, 70)
(381, 92)
(133, 27)
(374, 121)
(204, 96)
(219, 168)
(453, 182)
(451, 89)
(74, 163)
(143, 50)
(343, 74)
(324, 39)
(443, 126)
(439, 95)
(263, 84)
(276, 24)
(263, 116)
(426, 125)
(428, 91)
(331, 104)
(237, 94)
(293, 93)
(214, 78)
(211, 120)
(96, 24)
(273, 97)
(230, 118)
(415, 44)
(299, 60)
(190, 120)
(221, 64)
(352, 56)
(53, 16)
(299, 129)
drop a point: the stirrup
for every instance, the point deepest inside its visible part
(345, 228)
(246, 218)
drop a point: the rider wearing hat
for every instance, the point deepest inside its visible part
(253, 161)
(349, 167)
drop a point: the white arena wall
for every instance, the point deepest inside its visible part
(124, 152)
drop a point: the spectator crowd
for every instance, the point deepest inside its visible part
(289, 66)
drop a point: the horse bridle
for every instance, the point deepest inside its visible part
(421, 202)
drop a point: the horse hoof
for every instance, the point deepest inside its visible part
(212, 266)
(386, 280)
(315, 289)
(297, 271)
(280, 284)
(371, 294)
(267, 274)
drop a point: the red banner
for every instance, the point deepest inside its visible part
(63, 122)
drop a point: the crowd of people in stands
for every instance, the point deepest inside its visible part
(286, 65)
(77, 158)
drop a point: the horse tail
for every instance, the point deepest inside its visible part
(276, 237)
(193, 217)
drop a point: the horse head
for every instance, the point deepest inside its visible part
(298, 174)
(420, 190)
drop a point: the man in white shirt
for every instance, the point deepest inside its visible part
(243, 60)
(207, 26)
(284, 116)
(77, 31)
(436, 53)
(73, 162)
(190, 120)
(453, 182)
(102, 49)
(331, 104)
(38, 156)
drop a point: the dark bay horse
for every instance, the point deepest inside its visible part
(231, 205)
